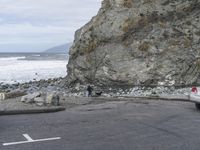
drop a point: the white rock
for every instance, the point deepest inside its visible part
(39, 101)
(30, 97)
(53, 99)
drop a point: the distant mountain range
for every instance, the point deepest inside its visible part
(59, 49)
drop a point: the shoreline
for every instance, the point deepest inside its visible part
(59, 85)
(31, 85)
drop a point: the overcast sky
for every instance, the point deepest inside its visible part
(36, 25)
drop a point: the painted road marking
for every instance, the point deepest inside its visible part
(30, 140)
(28, 137)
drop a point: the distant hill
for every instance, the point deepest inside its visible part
(59, 49)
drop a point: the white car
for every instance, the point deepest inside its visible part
(195, 97)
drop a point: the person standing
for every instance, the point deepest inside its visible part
(89, 90)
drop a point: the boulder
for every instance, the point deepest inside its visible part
(53, 99)
(40, 101)
(14, 94)
(138, 42)
(30, 97)
(2, 96)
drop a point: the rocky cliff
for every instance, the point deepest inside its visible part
(138, 42)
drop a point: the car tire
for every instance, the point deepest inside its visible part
(197, 105)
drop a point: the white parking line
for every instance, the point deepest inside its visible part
(30, 140)
(28, 137)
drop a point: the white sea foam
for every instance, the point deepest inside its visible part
(11, 58)
(13, 70)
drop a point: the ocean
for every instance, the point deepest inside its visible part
(25, 67)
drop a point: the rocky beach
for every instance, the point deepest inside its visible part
(56, 86)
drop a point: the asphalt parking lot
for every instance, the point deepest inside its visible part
(118, 125)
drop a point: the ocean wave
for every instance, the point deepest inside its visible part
(13, 69)
(11, 58)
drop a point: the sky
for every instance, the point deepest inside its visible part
(36, 25)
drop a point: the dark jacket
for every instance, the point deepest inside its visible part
(89, 89)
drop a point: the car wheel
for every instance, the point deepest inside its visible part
(197, 105)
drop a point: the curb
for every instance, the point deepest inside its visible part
(149, 98)
(164, 99)
(31, 111)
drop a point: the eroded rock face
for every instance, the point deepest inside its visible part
(138, 42)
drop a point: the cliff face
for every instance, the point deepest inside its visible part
(138, 42)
